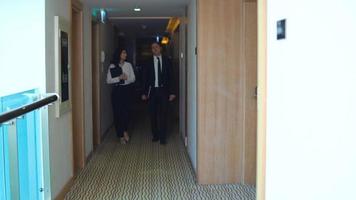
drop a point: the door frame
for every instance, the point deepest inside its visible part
(261, 97)
(249, 76)
(96, 83)
(78, 115)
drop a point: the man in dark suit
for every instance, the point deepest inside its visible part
(158, 90)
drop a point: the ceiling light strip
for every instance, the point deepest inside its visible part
(173, 25)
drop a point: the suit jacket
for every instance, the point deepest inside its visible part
(167, 75)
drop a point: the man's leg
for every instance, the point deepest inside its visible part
(163, 109)
(153, 106)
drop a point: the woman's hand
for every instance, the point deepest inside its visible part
(171, 97)
(123, 77)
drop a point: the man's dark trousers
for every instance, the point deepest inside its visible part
(158, 105)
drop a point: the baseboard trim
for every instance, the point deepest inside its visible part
(89, 157)
(65, 189)
(103, 136)
(70, 183)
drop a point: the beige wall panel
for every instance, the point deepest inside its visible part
(261, 102)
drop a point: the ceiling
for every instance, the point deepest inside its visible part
(149, 8)
(141, 27)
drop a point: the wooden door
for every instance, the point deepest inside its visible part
(227, 80)
(220, 89)
(77, 86)
(96, 84)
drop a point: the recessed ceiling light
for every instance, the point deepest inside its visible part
(137, 9)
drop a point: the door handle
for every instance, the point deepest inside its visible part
(256, 92)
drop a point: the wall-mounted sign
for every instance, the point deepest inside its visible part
(62, 65)
(281, 29)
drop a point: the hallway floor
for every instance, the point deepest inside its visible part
(146, 170)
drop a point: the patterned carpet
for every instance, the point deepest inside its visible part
(146, 170)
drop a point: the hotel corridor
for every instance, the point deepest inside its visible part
(146, 170)
(265, 99)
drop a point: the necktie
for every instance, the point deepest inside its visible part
(160, 83)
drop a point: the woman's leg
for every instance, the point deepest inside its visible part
(116, 110)
(121, 101)
(126, 111)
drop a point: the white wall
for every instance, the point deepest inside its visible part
(60, 134)
(27, 62)
(60, 129)
(108, 42)
(22, 65)
(88, 81)
(182, 76)
(311, 102)
(192, 82)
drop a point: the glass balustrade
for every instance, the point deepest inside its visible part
(21, 160)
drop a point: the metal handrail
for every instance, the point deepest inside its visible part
(17, 112)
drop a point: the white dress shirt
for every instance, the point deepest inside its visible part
(126, 69)
(155, 61)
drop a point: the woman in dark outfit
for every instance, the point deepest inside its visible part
(121, 76)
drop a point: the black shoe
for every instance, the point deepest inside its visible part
(155, 139)
(163, 142)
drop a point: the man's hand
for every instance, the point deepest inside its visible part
(172, 97)
(144, 97)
